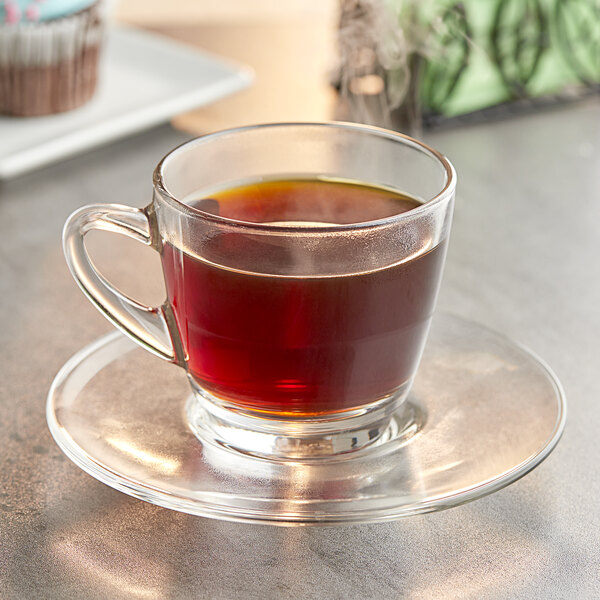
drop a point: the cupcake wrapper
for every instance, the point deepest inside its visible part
(49, 67)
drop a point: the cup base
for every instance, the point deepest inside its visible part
(338, 434)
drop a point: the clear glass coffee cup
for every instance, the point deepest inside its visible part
(300, 324)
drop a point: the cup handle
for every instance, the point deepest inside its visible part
(146, 325)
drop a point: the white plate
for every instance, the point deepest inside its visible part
(146, 79)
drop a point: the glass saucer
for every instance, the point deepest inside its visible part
(482, 413)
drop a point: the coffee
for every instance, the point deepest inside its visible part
(283, 341)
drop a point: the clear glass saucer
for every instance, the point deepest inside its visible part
(483, 412)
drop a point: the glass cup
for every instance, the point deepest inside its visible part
(300, 339)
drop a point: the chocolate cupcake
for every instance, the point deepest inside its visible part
(49, 52)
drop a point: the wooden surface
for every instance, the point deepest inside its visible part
(291, 61)
(186, 12)
(291, 47)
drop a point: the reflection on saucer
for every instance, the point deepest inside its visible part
(153, 460)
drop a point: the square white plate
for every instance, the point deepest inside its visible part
(146, 79)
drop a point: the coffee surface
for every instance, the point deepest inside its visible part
(307, 201)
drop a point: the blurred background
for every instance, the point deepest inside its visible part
(395, 63)
(403, 64)
(290, 45)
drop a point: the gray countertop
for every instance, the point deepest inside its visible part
(523, 259)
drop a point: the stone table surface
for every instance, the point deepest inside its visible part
(523, 260)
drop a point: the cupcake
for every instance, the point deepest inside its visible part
(49, 51)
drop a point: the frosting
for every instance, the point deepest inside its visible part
(32, 11)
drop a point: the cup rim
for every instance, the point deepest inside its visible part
(444, 194)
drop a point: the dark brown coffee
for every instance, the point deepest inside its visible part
(302, 345)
